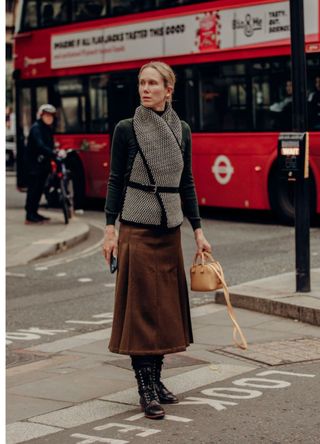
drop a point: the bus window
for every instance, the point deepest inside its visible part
(223, 98)
(313, 71)
(168, 3)
(88, 9)
(98, 103)
(53, 12)
(41, 95)
(30, 15)
(25, 120)
(121, 7)
(71, 106)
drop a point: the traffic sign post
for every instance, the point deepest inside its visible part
(302, 212)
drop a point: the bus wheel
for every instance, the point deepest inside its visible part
(282, 195)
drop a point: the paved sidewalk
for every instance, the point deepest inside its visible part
(76, 381)
(276, 295)
(25, 243)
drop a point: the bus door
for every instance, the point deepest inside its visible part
(24, 118)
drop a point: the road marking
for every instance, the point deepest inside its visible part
(215, 403)
(266, 383)
(280, 372)
(191, 380)
(110, 285)
(61, 274)
(41, 268)
(90, 439)
(125, 428)
(106, 319)
(167, 417)
(216, 391)
(31, 334)
(84, 280)
(220, 392)
(9, 273)
(92, 411)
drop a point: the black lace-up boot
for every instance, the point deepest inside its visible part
(149, 400)
(164, 395)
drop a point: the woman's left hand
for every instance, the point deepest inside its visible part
(201, 241)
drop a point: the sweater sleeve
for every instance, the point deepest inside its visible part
(119, 154)
(187, 187)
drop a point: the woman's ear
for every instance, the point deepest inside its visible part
(169, 93)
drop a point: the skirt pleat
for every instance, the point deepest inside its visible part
(151, 311)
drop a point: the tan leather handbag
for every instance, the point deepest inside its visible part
(207, 275)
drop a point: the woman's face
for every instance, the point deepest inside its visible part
(153, 93)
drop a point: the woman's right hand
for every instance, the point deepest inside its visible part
(110, 243)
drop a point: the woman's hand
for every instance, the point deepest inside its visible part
(110, 243)
(201, 241)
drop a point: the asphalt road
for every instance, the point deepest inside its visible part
(277, 408)
(65, 293)
(72, 293)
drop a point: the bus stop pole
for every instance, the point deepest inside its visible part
(302, 212)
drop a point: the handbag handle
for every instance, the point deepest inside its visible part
(236, 328)
(203, 255)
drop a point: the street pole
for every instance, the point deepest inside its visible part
(302, 212)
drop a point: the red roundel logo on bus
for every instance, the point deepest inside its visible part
(222, 169)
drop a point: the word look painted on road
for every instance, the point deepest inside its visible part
(35, 333)
(248, 390)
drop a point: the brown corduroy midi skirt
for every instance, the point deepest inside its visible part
(151, 311)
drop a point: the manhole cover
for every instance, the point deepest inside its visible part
(170, 361)
(278, 352)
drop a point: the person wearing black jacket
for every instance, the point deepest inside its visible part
(151, 188)
(40, 150)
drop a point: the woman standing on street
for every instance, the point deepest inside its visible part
(150, 179)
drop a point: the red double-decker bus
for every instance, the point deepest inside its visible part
(232, 60)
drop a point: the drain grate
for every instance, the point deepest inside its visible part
(278, 352)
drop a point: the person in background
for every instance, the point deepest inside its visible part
(284, 110)
(150, 180)
(314, 105)
(39, 153)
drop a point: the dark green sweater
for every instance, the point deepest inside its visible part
(123, 151)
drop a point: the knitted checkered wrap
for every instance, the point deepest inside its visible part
(159, 139)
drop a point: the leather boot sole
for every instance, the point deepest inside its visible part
(163, 401)
(158, 416)
(29, 222)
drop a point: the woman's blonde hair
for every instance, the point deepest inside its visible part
(166, 72)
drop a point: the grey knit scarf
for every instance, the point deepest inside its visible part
(152, 129)
(159, 139)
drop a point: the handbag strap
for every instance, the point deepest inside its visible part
(236, 328)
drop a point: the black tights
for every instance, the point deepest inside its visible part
(145, 361)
